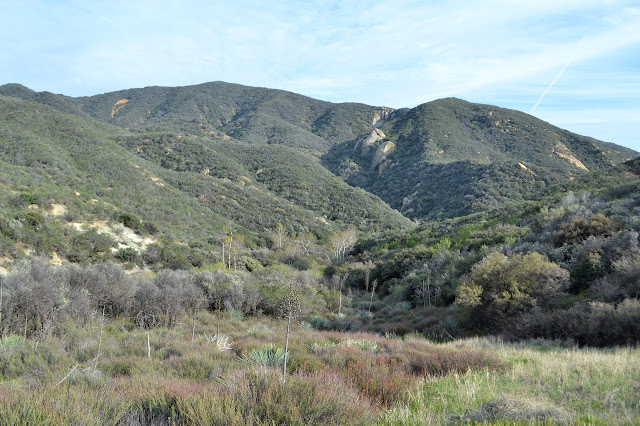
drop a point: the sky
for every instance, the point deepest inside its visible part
(573, 63)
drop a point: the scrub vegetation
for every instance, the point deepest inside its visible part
(220, 254)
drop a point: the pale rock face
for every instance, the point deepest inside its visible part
(381, 116)
(368, 141)
(381, 153)
(562, 151)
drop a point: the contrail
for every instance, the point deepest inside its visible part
(555, 79)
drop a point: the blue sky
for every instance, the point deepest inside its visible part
(573, 63)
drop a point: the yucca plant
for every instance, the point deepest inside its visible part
(221, 342)
(269, 355)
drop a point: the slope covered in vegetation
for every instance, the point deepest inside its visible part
(64, 174)
(563, 266)
(528, 224)
(449, 158)
(441, 159)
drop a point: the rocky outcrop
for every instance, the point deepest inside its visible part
(381, 153)
(118, 106)
(561, 150)
(523, 167)
(382, 115)
(367, 142)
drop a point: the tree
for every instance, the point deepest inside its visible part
(279, 234)
(214, 286)
(500, 288)
(304, 243)
(432, 277)
(37, 294)
(342, 242)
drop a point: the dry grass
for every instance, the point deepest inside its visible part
(334, 378)
(541, 384)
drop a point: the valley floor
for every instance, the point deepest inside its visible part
(111, 372)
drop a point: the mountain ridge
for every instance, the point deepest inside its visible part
(443, 158)
(99, 174)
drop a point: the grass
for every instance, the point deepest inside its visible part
(541, 384)
(335, 378)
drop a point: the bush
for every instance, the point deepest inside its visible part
(592, 324)
(129, 220)
(32, 219)
(195, 368)
(319, 323)
(580, 228)
(501, 288)
(117, 368)
(24, 199)
(127, 254)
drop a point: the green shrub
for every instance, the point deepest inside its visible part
(129, 220)
(24, 199)
(235, 314)
(319, 323)
(195, 368)
(117, 368)
(32, 219)
(170, 352)
(11, 340)
(126, 254)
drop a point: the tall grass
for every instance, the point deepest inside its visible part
(336, 378)
(543, 383)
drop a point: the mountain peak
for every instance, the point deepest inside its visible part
(15, 90)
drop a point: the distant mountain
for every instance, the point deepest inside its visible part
(441, 159)
(174, 177)
(62, 173)
(249, 114)
(449, 158)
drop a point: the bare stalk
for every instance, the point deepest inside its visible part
(68, 374)
(286, 347)
(193, 329)
(102, 323)
(374, 284)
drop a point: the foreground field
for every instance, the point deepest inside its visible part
(540, 384)
(113, 373)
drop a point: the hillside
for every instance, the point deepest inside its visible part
(64, 174)
(441, 159)
(250, 114)
(523, 224)
(563, 265)
(449, 158)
